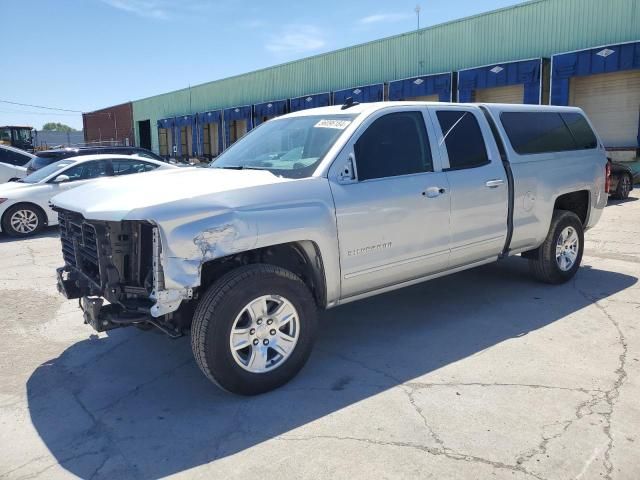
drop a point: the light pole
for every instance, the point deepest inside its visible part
(417, 10)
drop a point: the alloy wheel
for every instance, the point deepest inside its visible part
(567, 248)
(264, 334)
(24, 221)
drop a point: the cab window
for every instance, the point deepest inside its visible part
(394, 144)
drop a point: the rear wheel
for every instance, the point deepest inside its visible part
(557, 260)
(624, 187)
(254, 329)
(22, 220)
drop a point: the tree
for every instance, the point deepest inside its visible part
(57, 127)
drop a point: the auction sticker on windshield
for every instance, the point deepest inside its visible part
(339, 124)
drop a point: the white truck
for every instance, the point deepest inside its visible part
(323, 207)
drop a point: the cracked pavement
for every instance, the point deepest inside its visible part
(483, 374)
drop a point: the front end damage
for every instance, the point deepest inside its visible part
(115, 270)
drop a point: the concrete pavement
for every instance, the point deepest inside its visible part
(481, 374)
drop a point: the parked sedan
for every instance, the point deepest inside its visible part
(621, 180)
(47, 157)
(24, 205)
(13, 163)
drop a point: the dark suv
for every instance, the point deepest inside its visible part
(47, 157)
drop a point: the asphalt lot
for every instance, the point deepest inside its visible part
(483, 374)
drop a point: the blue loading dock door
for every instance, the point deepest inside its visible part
(365, 94)
(167, 124)
(605, 82)
(188, 122)
(526, 72)
(210, 133)
(267, 110)
(310, 101)
(423, 86)
(237, 122)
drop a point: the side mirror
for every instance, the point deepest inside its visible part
(61, 179)
(348, 171)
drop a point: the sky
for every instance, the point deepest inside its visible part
(83, 55)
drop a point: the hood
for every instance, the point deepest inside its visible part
(14, 187)
(115, 198)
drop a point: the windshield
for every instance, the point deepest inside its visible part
(43, 159)
(44, 172)
(22, 134)
(288, 147)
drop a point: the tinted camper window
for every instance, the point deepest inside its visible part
(581, 131)
(545, 132)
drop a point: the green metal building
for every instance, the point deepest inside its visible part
(501, 42)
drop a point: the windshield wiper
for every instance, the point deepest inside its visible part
(242, 167)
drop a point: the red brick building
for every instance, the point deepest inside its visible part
(111, 125)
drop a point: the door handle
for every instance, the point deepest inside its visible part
(494, 183)
(433, 192)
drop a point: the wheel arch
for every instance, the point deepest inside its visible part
(578, 202)
(303, 258)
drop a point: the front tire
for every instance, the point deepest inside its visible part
(22, 220)
(557, 260)
(254, 329)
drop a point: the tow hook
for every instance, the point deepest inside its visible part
(91, 307)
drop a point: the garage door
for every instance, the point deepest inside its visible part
(508, 94)
(426, 98)
(612, 103)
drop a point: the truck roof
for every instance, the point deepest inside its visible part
(374, 106)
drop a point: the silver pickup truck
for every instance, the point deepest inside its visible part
(323, 207)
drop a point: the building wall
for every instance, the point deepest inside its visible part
(112, 124)
(534, 29)
(43, 140)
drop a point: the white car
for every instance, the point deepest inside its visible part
(13, 163)
(24, 204)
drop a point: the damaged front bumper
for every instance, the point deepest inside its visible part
(115, 270)
(102, 317)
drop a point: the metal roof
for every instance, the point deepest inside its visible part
(534, 29)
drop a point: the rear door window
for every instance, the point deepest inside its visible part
(463, 139)
(127, 167)
(394, 144)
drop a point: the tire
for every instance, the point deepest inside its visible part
(624, 187)
(543, 263)
(33, 216)
(226, 303)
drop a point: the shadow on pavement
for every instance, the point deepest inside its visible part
(48, 232)
(613, 202)
(138, 401)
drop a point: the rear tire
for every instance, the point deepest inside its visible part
(557, 260)
(227, 308)
(624, 187)
(23, 220)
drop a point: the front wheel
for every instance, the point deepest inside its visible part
(557, 260)
(254, 329)
(22, 220)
